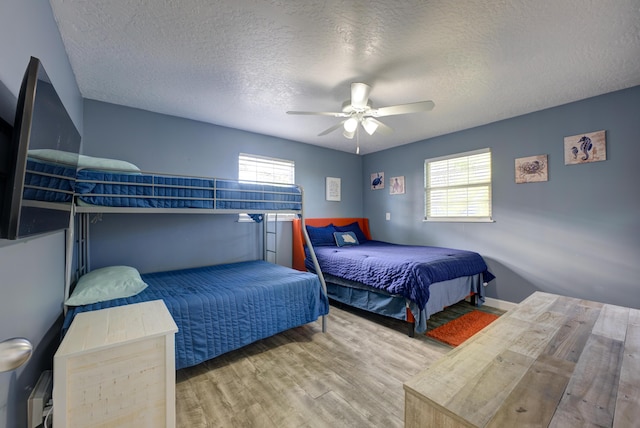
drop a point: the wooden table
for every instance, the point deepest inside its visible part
(552, 361)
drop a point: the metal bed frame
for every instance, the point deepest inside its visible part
(78, 233)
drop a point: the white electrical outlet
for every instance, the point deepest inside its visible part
(39, 398)
(388, 216)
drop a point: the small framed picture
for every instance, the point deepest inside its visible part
(333, 189)
(585, 148)
(377, 181)
(532, 169)
(396, 185)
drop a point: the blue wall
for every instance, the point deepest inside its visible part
(577, 234)
(31, 270)
(157, 142)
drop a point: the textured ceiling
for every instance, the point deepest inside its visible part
(244, 63)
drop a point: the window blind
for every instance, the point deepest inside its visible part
(458, 187)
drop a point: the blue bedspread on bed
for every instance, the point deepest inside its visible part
(404, 270)
(143, 190)
(159, 191)
(232, 194)
(48, 182)
(221, 308)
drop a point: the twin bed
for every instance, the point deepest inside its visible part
(225, 307)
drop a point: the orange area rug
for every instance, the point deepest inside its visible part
(460, 329)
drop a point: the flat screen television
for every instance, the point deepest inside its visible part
(41, 124)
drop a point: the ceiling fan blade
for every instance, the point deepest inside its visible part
(321, 113)
(333, 128)
(382, 128)
(403, 109)
(360, 95)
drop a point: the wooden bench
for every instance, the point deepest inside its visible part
(553, 361)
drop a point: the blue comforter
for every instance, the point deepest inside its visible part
(221, 308)
(45, 181)
(114, 189)
(404, 270)
(48, 182)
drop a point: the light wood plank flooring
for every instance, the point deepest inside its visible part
(350, 376)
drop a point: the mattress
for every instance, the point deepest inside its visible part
(221, 308)
(403, 270)
(48, 182)
(165, 191)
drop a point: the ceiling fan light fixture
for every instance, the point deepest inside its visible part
(359, 110)
(369, 125)
(350, 125)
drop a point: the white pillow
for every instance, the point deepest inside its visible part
(83, 161)
(56, 156)
(107, 283)
(104, 163)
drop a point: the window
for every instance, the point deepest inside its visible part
(265, 169)
(458, 187)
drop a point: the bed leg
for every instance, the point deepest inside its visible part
(411, 322)
(324, 324)
(473, 300)
(411, 329)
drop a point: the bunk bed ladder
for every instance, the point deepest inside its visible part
(270, 241)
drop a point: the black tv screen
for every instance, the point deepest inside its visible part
(41, 124)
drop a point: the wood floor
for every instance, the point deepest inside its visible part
(350, 376)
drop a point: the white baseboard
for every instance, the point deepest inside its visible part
(499, 304)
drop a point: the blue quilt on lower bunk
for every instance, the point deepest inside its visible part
(221, 308)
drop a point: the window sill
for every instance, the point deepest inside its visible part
(458, 220)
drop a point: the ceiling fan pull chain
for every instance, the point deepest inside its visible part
(357, 141)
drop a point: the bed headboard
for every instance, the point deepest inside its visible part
(298, 237)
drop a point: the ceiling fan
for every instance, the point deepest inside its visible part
(359, 110)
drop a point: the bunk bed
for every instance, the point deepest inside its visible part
(409, 283)
(217, 308)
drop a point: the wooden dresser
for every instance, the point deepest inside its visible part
(552, 361)
(116, 368)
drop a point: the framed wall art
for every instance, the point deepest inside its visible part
(377, 181)
(532, 169)
(585, 148)
(333, 188)
(396, 185)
